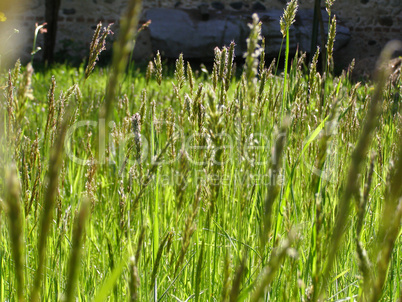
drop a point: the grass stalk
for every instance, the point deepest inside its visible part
(16, 222)
(55, 163)
(286, 21)
(121, 50)
(76, 250)
(268, 274)
(273, 187)
(358, 157)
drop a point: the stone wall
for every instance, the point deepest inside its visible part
(371, 22)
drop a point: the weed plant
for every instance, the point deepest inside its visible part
(152, 187)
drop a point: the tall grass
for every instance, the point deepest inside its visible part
(287, 20)
(180, 185)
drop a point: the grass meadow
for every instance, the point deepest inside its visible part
(197, 185)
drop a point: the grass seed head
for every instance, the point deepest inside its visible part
(330, 44)
(253, 51)
(158, 68)
(288, 17)
(179, 72)
(190, 78)
(98, 45)
(150, 71)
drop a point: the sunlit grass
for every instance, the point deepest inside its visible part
(203, 185)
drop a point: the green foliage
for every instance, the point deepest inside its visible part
(201, 188)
